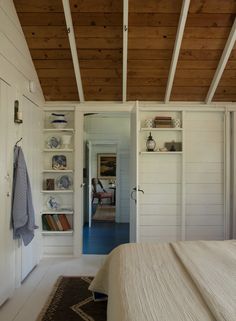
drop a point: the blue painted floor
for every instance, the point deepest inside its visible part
(103, 237)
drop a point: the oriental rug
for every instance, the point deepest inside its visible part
(105, 213)
(71, 300)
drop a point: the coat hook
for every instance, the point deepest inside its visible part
(18, 141)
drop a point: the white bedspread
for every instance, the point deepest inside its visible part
(183, 281)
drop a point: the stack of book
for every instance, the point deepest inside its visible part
(55, 222)
(163, 122)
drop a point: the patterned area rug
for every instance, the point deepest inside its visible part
(105, 213)
(71, 300)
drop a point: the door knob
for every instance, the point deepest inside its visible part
(82, 185)
(8, 194)
(7, 177)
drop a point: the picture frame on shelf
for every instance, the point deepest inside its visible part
(106, 166)
(174, 146)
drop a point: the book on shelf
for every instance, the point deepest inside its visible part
(52, 222)
(163, 126)
(56, 218)
(64, 222)
(45, 224)
(163, 118)
(55, 222)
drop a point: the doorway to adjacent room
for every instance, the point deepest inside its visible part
(106, 192)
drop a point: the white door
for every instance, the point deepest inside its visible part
(31, 145)
(7, 269)
(134, 194)
(89, 179)
(79, 183)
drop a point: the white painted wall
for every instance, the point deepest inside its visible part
(32, 148)
(7, 261)
(16, 65)
(113, 129)
(204, 175)
(200, 169)
(16, 69)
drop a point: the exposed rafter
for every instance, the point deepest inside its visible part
(222, 63)
(178, 41)
(125, 48)
(73, 48)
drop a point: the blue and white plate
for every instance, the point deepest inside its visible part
(54, 142)
(59, 162)
(64, 182)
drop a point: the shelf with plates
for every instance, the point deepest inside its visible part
(58, 171)
(58, 130)
(66, 212)
(57, 216)
(62, 191)
(164, 153)
(160, 129)
(65, 150)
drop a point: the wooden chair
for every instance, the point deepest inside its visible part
(100, 195)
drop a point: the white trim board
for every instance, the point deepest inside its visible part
(222, 63)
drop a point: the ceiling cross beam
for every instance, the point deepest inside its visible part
(176, 51)
(222, 63)
(125, 49)
(73, 48)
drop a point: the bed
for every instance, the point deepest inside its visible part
(170, 281)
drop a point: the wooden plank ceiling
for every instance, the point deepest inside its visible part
(152, 30)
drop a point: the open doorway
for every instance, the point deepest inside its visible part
(106, 172)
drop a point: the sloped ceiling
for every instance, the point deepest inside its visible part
(98, 27)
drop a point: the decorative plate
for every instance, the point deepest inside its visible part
(54, 142)
(63, 182)
(59, 162)
(53, 203)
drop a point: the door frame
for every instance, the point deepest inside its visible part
(80, 110)
(114, 143)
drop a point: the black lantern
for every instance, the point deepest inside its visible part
(151, 144)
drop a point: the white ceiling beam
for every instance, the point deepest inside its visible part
(178, 41)
(222, 63)
(73, 48)
(125, 49)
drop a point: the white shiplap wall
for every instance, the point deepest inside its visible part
(16, 65)
(204, 175)
(183, 193)
(16, 69)
(32, 148)
(7, 268)
(160, 210)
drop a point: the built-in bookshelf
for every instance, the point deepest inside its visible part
(161, 174)
(165, 128)
(57, 215)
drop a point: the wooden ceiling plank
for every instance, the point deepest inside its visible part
(125, 49)
(176, 51)
(212, 6)
(222, 63)
(75, 59)
(171, 20)
(50, 54)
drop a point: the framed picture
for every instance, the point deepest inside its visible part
(106, 165)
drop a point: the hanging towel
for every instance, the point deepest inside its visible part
(23, 216)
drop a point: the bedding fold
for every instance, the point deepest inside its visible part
(182, 281)
(148, 282)
(212, 267)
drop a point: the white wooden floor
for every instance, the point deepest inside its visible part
(29, 299)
